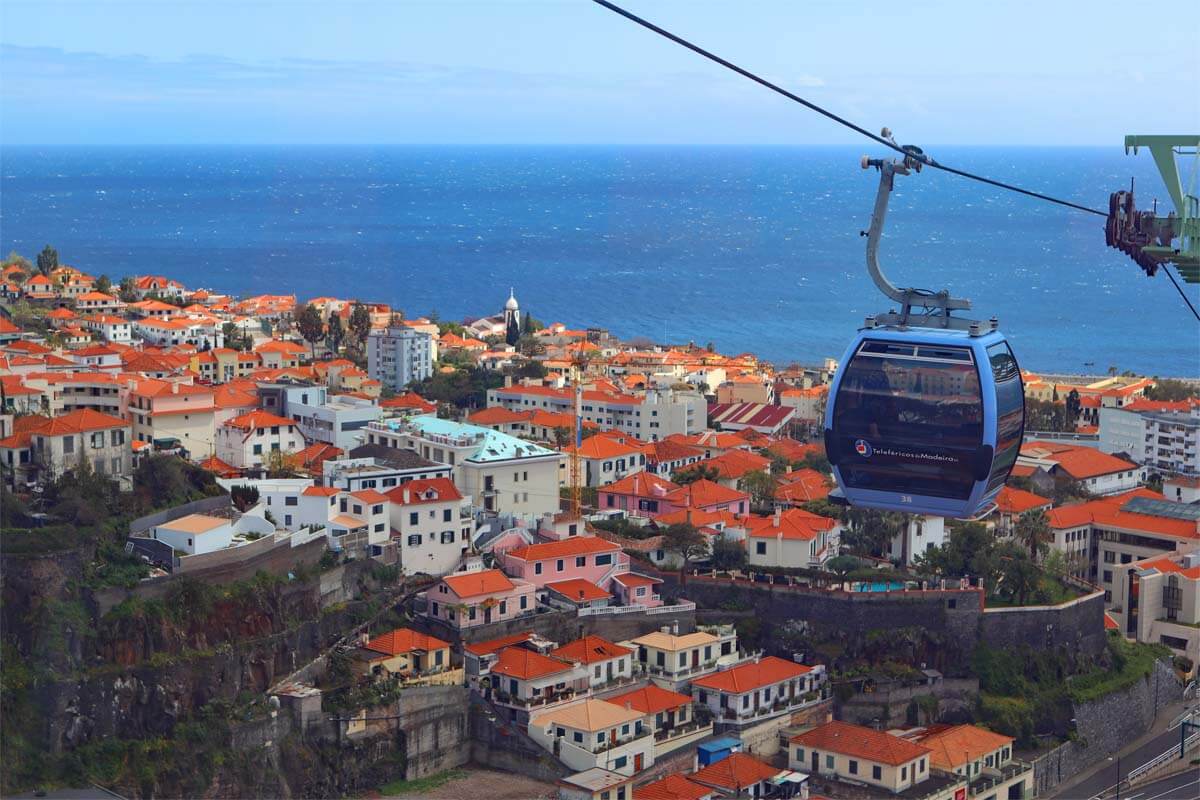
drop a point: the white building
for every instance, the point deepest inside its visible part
(196, 533)
(1166, 441)
(506, 473)
(338, 420)
(1157, 600)
(381, 468)
(923, 532)
(593, 733)
(397, 356)
(432, 525)
(248, 440)
(654, 415)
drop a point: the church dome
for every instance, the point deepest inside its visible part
(511, 305)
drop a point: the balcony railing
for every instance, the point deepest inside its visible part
(674, 732)
(993, 777)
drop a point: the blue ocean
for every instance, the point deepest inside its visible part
(748, 248)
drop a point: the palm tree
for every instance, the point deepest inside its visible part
(1032, 531)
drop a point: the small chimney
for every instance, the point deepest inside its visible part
(628, 705)
(675, 627)
(406, 495)
(778, 516)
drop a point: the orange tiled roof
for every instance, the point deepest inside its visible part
(426, 490)
(1107, 511)
(672, 787)
(650, 699)
(860, 742)
(590, 649)
(958, 744)
(473, 584)
(1167, 564)
(641, 484)
(1011, 500)
(575, 546)
(795, 523)
(258, 419)
(736, 463)
(405, 640)
(752, 675)
(524, 664)
(704, 492)
(1078, 462)
(579, 590)
(493, 645)
(736, 771)
(83, 420)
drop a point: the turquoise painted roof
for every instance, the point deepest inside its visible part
(493, 445)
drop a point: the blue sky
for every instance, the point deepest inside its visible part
(568, 71)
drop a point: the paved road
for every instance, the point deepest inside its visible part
(1185, 786)
(1105, 775)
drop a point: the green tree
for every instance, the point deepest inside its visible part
(694, 473)
(243, 497)
(1018, 576)
(126, 291)
(47, 260)
(104, 284)
(689, 543)
(335, 334)
(841, 566)
(15, 258)
(529, 345)
(869, 532)
(360, 324)
(1033, 532)
(1171, 390)
(761, 488)
(309, 323)
(728, 554)
(234, 338)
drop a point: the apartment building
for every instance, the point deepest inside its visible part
(606, 460)
(866, 756)
(673, 660)
(399, 356)
(378, 467)
(651, 416)
(1104, 537)
(1157, 600)
(1163, 437)
(339, 420)
(503, 472)
(169, 414)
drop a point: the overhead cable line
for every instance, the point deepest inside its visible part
(888, 143)
(745, 73)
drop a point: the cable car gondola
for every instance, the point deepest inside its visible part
(927, 410)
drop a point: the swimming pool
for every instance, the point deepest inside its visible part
(879, 586)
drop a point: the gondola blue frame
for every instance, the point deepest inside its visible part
(980, 496)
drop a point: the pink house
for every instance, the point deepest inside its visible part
(632, 589)
(641, 494)
(588, 557)
(704, 495)
(467, 599)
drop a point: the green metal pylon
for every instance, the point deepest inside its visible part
(1153, 240)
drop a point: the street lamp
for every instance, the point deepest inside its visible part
(1118, 760)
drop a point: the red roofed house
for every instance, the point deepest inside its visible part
(792, 538)
(1012, 502)
(639, 495)
(588, 557)
(281, 354)
(408, 403)
(247, 441)
(607, 459)
(763, 418)
(405, 653)
(669, 714)
(668, 456)
(1099, 473)
(978, 755)
(48, 447)
(169, 414)
(733, 465)
(674, 787)
(863, 755)
(738, 775)
(430, 525)
(704, 495)
(467, 599)
(525, 678)
(634, 589)
(576, 593)
(757, 690)
(606, 663)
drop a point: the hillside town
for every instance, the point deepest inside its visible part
(624, 555)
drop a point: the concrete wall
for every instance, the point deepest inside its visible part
(1077, 625)
(502, 745)
(953, 694)
(1106, 725)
